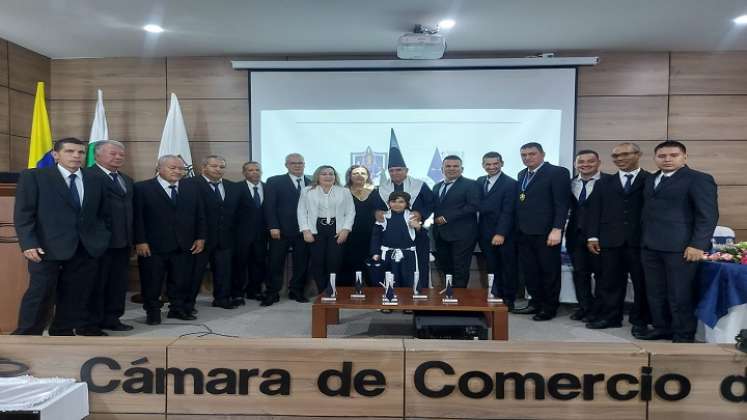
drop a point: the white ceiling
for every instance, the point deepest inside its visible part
(112, 28)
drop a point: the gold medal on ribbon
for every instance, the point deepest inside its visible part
(522, 196)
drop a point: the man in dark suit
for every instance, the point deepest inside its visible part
(61, 222)
(680, 212)
(250, 260)
(496, 225)
(280, 207)
(583, 189)
(170, 228)
(455, 220)
(221, 201)
(614, 230)
(107, 303)
(541, 212)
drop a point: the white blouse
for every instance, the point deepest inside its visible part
(315, 203)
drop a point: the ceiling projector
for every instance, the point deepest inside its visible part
(422, 43)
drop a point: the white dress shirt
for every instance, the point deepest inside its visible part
(577, 185)
(78, 180)
(165, 185)
(658, 177)
(624, 180)
(491, 181)
(260, 191)
(220, 186)
(108, 173)
(295, 182)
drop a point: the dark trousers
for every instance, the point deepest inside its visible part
(278, 252)
(402, 270)
(107, 302)
(326, 255)
(454, 257)
(584, 265)
(250, 268)
(220, 265)
(617, 264)
(501, 262)
(671, 290)
(541, 268)
(177, 267)
(67, 285)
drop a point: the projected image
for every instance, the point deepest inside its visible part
(344, 137)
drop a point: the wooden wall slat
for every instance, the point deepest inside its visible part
(4, 110)
(622, 118)
(206, 78)
(216, 120)
(709, 73)
(626, 74)
(19, 153)
(21, 113)
(741, 234)
(26, 68)
(732, 200)
(3, 62)
(708, 117)
(4, 152)
(722, 159)
(119, 416)
(140, 120)
(119, 78)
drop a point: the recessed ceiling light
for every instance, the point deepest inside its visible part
(741, 20)
(154, 29)
(446, 24)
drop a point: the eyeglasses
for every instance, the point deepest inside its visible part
(623, 154)
(296, 163)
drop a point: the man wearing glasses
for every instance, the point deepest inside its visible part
(280, 206)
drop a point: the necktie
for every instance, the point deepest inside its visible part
(298, 187)
(662, 180)
(582, 194)
(487, 185)
(173, 193)
(628, 183)
(527, 179)
(443, 190)
(399, 187)
(257, 199)
(115, 178)
(217, 190)
(74, 194)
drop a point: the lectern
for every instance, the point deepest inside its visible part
(13, 271)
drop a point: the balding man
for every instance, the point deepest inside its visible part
(107, 303)
(170, 228)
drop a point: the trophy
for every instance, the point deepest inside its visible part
(389, 297)
(493, 290)
(358, 287)
(330, 293)
(416, 288)
(448, 292)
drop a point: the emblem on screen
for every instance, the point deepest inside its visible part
(375, 162)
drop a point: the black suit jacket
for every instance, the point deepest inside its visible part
(578, 220)
(219, 214)
(545, 206)
(164, 226)
(46, 218)
(497, 207)
(250, 219)
(459, 208)
(119, 205)
(281, 204)
(681, 213)
(613, 216)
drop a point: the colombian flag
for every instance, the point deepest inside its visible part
(40, 145)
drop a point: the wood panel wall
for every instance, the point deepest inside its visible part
(20, 69)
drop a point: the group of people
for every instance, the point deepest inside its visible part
(77, 226)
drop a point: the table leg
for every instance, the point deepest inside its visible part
(318, 321)
(500, 324)
(333, 316)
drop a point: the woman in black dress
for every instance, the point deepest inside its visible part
(358, 180)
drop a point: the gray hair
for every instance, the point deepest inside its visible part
(251, 162)
(162, 160)
(635, 147)
(290, 155)
(100, 144)
(205, 160)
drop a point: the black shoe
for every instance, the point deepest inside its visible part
(238, 302)
(655, 335)
(153, 318)
(603, 324)
(222, 304)
(510, 306)
(62, 332)
(270, 299)
(118, 326)
(193, 311)
(90, 332)
(578, 315)
(180, 315)
(590, 318)
(543, 316)
(298, 297)
(527, 310)
(638, 330)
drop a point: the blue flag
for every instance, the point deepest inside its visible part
(434, 172)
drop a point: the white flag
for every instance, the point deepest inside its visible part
(174, 140)
(99, 128)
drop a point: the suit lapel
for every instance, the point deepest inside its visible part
(60, 185)
(160, 191)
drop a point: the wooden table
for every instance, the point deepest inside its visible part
(470, 300)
